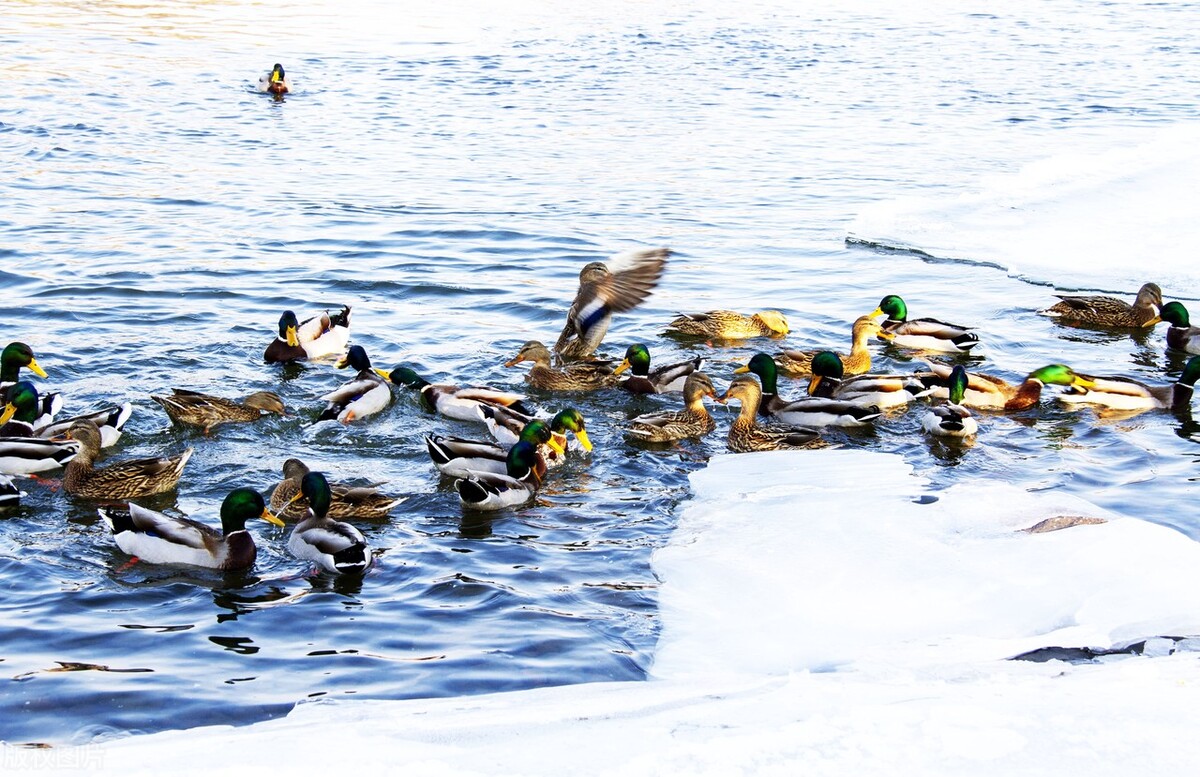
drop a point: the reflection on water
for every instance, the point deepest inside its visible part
(449, 184)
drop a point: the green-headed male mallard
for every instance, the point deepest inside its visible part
(507, 425)
(165, 539)
(987, 392)
(346, 502)
(274, 82)
(524, 469)
(728, 325)
(882, 391)
(621, 284)
(952, 419)
(798, 364)
(1181, 335)
(460, 457)
(573, 376)
(808, 411)
(320, 335)
(19, 417)
(926, 334)
(693, 421)
(335, 546)
(460, 403)
(745, 435)
(366, 394)
(1121, 393)
(1100, 310)
(661, 380)
(191, 408)
(122, 480)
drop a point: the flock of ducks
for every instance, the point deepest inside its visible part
(507, 469)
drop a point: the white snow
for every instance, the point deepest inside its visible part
(1118, 217)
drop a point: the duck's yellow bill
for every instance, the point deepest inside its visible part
(1080, 381)
(556, 444)
(9, 411)
(743, 369)
(36, 369)
(877, 312)
(582, 436)
(621, 367)
(813, 382)
(269, 518)
(292, 339)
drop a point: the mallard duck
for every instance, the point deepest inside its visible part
(728, 325)
(661, 380)
(1129, 394)
(459, 457)
(274, 82)
(366, 394)
(798, 364)
(1099, 310)
(809, 411)
(882, 391)
(506, 425)
(20, 417)
(745, 435)
(573, 376)
(1181, 335)
(15, 357)
(346, 502)
(10, 495)
(123, 480)
(166, 539)
(952, 419)
(987, 392)
(455, 402)
(693, 421)
(926, 334)
(621, 284)
(334, 545)
(321, 335)
(524, 469)
(195, 409)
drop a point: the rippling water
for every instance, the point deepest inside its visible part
(447, 173)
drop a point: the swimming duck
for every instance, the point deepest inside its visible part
(952, 419)
(809, 411)
(1181, 335)
(274, 82)
(927, 334)
(122, 480)
(346, 502)
(798, 364)
(366, 394)
(15, 357)
(321, 335)
(573, 376)
(524, 469)
(165, 539)
(1128, 394)
(195, 409)
(882, 391)
(1099, 310)
(987, 392)
(10, 495)
(693, 421)
(19, 417)
(661, 380)
(334, 545)
(460, 457)
(506, 425)
(728, 325)
(455, 402)
(621, 284)
(745, 435)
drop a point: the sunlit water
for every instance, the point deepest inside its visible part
(447, 174)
